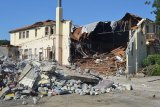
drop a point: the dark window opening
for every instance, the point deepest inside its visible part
(52, 30)
(20, 35)
(35, 32)
(23, 34)
(46, 31)
(27, 34)
(147, 29)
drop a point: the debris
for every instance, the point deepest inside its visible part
(9, 96)
(24, 103)
(33, 79)
(35, 100)
(128, 87)
(27, 68)
(4, 92)
(104, 84)
(105, 63)
(154, 96)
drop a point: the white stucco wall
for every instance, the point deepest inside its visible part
(66, 42)
(63, 29)
(40, 45)
(139, 47)
(40, 42)
(15, 36)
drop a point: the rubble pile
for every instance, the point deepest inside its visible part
(111, 63)
(27, 79)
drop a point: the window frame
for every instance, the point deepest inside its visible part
(27, 34)
(23, 34)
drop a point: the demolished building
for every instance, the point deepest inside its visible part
(131, 34)
(109, 46)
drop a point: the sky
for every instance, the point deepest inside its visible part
(19, 13)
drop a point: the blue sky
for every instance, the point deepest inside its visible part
(19, 13)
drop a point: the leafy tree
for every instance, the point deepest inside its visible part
(4, 42)
(156, 6)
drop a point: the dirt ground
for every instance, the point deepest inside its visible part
(114, 99)
(146, 93)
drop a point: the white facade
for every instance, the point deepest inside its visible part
(35, 43)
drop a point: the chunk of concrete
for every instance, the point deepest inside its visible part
(24, 72)
(128, 87)
(24, 103)
(104, 84)
(9, 97)
(4, 92)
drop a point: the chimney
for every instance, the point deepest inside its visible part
(59, 3)
(59, 17)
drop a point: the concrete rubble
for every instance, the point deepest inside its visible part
(34, 79)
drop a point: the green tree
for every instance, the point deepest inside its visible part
(156, 11)
(156, 5)
(4, 42)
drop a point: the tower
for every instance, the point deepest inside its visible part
(59, 17)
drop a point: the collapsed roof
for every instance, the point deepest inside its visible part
(128, 22)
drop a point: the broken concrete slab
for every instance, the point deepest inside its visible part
(9, 97)
(4, 92)
(24, 72)
(104, 84)
(29, 78)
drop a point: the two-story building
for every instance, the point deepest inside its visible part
(45, 40)
(36, 41)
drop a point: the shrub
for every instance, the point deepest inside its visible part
(151, 60)
(152, 65)
(156, 70)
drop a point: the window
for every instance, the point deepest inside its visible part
(52, 30)
(35, 51)
(27, 34)
(35, 32)
(46, 31)
(157, 29)
(147, 29)
(23, 34)
(154, 29)
(20, 35)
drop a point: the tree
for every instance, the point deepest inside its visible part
(4, 42)
(156, 6)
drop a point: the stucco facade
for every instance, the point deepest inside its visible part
(38, 44)
(137, 47)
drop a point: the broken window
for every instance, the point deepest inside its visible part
(154, 29)
(46, 30)
(52, 30)
(157, 29)
(20, 35)
(25, 56)
(35, 32)
(27, 34)
(23, 34)
(147, 29)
